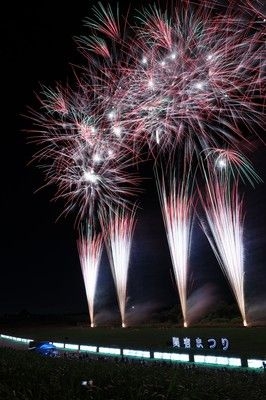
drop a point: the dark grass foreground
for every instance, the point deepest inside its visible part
(29, 376)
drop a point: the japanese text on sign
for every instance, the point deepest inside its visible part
(198, 343)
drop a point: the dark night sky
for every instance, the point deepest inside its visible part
(39, 261)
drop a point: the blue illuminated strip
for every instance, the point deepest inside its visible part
(110, 351)
(232, 361)
(59, 345)
(252, 363)
(198, 358)
(136, 353)
(92, 349)
(71, 346)
(171, 356)
(15, 339)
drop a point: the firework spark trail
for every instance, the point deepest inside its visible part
(176, 204)
(230, 162)
(197, 75)
(223, 210)
(109, 45)
(258, 8)
(89, 185)
(90, 250)
(118, 227)
(222, 169)
(82, 152)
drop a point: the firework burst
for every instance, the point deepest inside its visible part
(196, 75)
(82, 152)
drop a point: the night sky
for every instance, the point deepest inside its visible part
(40, 266)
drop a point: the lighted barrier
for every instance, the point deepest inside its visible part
(162, 356)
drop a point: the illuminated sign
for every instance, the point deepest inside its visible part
(199, 343)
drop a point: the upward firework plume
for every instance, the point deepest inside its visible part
(119, 227)
(224, 212)
(176, 203)
(90, 251)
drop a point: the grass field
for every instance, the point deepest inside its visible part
(28, 376)
(243, 342)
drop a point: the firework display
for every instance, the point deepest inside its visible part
(81, 153)
(119, 226)
(90, 251)
(176, 199)
(183, 84)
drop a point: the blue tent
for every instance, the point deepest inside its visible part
(44, 348)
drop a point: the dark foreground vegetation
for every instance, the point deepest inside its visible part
(29, 376)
